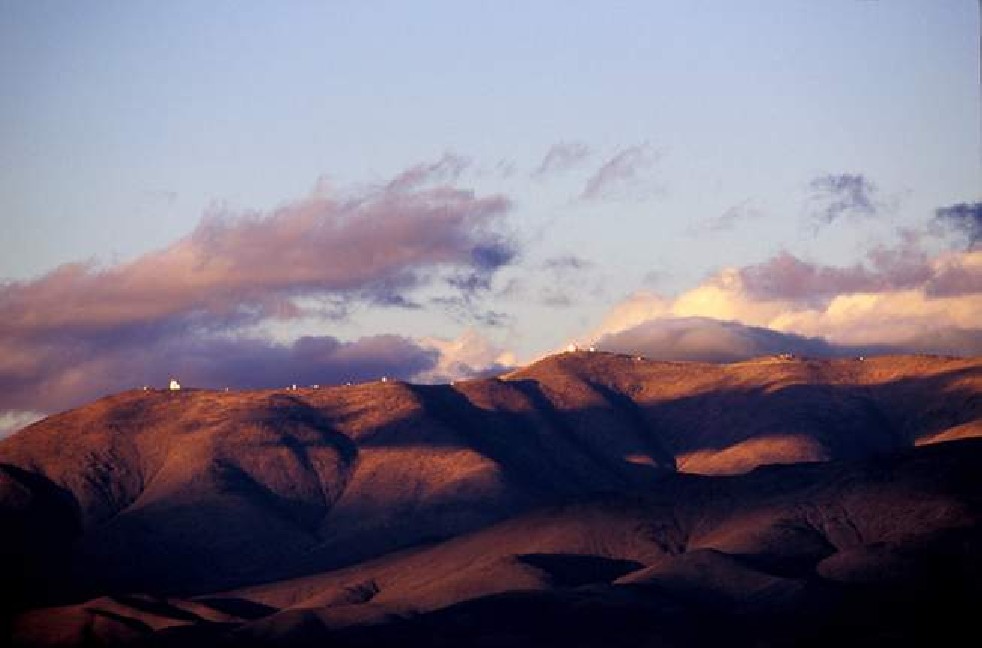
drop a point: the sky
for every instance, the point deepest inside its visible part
(259, 194)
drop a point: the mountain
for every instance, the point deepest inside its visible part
(602, 483)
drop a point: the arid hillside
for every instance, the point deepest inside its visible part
(875, 552)
(389, 500)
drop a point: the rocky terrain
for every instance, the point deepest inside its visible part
(588, 499)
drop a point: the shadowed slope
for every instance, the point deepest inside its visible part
(193, 491)
(783, 555)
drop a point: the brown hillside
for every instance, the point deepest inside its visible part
(200, 490)
(883, 550)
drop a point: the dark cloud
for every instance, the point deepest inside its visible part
(562, 157)
(620, 174)
(463, 308)
(96, 367)
(491, 256)
(83, 330)
(963, 219)
(469, 284)
(710, 340)
(836, 195)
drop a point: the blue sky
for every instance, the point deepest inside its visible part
(122, 124)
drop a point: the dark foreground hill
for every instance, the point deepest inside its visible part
(365, 515)
(883, 551)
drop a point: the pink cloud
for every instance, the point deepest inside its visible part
(785, 276)
(250, 266)
(900, 301)
(83, 330)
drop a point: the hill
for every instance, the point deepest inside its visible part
(177, 494)
(875, 551)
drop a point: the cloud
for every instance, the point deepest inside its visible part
(785, 276)
(635, 309)
(13, 420)
(562, 157)
(84, 330)
(931, 305)
(964, 219)
(471, 355)
(703, 339)
(446, 170)
(730, 219)
(97, 366)
(250, 266)
(620, 174)
(836, 195)
(708, 340)
(955, 275)
(462, 309)
(567, 281)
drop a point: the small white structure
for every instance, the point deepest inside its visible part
(174, 385)
(385, 379)
(593, 349)
(572, 348)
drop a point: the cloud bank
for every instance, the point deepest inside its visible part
(82, 330)
(893, 304)
(705, 339)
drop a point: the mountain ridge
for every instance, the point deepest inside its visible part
(180, 493)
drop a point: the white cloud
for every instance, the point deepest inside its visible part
(469, 355)
(916, 318)
(13, 420)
